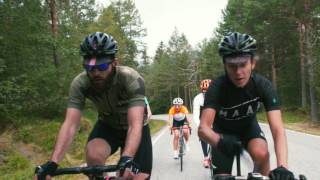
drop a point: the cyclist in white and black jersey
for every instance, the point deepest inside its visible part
(230, 106)
(197, 109)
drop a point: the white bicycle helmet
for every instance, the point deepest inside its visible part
(177, 101)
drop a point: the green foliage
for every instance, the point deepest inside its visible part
(172, 73)
(121, 19)
(288, 116)
(156, 125)
(16, 166)
(43, 134)
(29, 81)
(209, 63)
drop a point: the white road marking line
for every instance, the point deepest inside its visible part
(161, 133)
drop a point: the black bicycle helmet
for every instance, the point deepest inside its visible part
(97, 44)
(237, 43)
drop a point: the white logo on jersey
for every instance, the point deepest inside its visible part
(240, 111)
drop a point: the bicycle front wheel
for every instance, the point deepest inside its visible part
(181, 163)
(181, 153)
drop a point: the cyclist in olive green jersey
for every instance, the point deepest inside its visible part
(230, 106)
(118, 94)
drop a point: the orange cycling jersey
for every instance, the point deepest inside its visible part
(173, 110)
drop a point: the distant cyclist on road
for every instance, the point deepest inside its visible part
(118, 94)
(178, 117)
(231, 104)
(197, 109)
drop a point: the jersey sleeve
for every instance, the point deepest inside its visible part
(269, 95)
(211, 98)
(135, 88)
(184, 109)
(196, 110)
(171, 111)
(76, 93)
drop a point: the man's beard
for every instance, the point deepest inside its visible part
(97, 82)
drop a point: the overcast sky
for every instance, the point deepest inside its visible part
(195, 18)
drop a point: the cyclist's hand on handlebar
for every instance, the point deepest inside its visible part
(45, 169)
(281, 173)
(229, 144)
(126, 163)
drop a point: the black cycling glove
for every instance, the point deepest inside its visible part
(127, 162)
(229, 144)
(281, 173)
(46, 169)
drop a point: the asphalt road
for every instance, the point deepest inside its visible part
(304, 156)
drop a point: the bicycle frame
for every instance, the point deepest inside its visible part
(181, 143)
(182, 147)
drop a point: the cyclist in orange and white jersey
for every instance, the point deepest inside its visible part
(178, 117)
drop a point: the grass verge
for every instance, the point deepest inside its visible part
(295, 120)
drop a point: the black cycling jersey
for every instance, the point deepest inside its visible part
(237, 107)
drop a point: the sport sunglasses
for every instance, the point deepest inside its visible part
(100, 67)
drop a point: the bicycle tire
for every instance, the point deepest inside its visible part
(181, 148)
(181, 163)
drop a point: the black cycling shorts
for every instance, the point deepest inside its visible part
(223, 162)
(180, 123)
(116, 138)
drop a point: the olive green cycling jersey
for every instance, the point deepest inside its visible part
(123, 89)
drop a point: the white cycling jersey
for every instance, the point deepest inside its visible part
(179, 116)
(197, 103)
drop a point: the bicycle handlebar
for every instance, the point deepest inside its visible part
(85, 170)
(254, 176)
(174, 128)
(177, 128)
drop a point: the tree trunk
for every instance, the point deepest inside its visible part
(273, 68)
(170, 97)
(302, 66)
(185, 96)
(311, 73)
(54, 29)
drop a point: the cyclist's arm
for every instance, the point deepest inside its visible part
(170, 120)
(66, 133)
(185, 110)
(149, 111)
(189, 121)
(279, 137)
(204, 131)
(135, 124)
